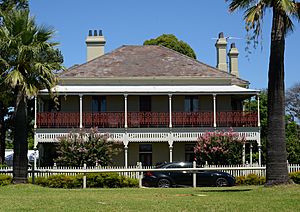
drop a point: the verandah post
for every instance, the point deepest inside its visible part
(194, 175)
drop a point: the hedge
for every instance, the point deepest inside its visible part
(102, 180)
(5, 179)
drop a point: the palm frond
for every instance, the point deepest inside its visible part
(240, 4)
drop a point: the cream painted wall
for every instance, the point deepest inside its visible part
(178, 151)
(206, 103)
(223, 103)
(160, 103)
(177, 103)
(70, 103)
(133, 103)
(133, 153)
(115, 103)
(160, 152)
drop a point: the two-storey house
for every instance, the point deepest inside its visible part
(154, 100)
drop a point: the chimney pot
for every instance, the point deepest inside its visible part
(95, 44)
(232, 45)
(221, 35)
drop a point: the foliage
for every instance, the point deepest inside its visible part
(293, 142)
(283, 13)
(102, 180)
(86, 147)
(6, 5)
(292, 101)
(170, 41)
(250, 179)
(219, 148)
(24, 47)
(5, 179)
(295, 176)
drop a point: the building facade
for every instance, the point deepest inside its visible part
(154, 100)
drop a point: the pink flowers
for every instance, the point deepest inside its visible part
(219, 147)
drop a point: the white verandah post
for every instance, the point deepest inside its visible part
(215, 109)
(258, 125)
(35, 121)
(125, 111)
(80, 111)
(170, 110)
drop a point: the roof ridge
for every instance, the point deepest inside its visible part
(197, 61)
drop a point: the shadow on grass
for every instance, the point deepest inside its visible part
(227, 190)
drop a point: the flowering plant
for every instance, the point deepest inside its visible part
(89, 147)
(219, 148)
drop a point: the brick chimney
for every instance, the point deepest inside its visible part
(221, 46)
(233, 60)
(95, 43)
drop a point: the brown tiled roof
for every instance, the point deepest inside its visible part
(146, 61)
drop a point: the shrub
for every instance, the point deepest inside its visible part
(102, 180)
(86, 147)
(5, 179)
(295, 176)
(250, 179)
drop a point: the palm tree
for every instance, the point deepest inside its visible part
(26, 71)
(283, 12)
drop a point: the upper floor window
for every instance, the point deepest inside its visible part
(145, 103)
(191, 104)
(98, 103)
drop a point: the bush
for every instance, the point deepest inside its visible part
(250, 179)
(295, 176)
(5, 179)
(102, 180)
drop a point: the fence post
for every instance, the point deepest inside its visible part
(84, 176)
(140, 174)
(194, 175)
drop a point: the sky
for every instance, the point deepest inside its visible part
(131, 22)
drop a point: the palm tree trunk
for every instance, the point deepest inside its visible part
(277, 172)
(20, 163)
(2, 131)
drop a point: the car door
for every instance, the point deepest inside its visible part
(181, 177)
(204, 178)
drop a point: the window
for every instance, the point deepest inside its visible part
(145, 154)
(98, 103)
(189, 152)
(191, 104)
(145, 103)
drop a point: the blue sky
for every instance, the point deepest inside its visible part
(133, 21)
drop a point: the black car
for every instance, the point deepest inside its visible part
(165, 179)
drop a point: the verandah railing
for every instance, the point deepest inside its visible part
(146, 119)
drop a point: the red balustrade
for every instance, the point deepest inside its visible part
(192, 119)
(237, 119)
(57, 119)
(103, 119)
(146, 119)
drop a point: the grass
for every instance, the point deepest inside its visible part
(245, 198)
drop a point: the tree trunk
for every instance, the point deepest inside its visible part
(277, 172)
(20, 163)
(2, 131)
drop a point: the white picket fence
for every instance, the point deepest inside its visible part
(235, 170)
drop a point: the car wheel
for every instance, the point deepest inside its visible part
(164, 183)
(220, 182)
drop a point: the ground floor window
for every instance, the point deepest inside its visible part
(189, 152)
(145, 154)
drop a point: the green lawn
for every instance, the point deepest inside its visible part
(250, 198)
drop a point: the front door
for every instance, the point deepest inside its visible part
(145, 154)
